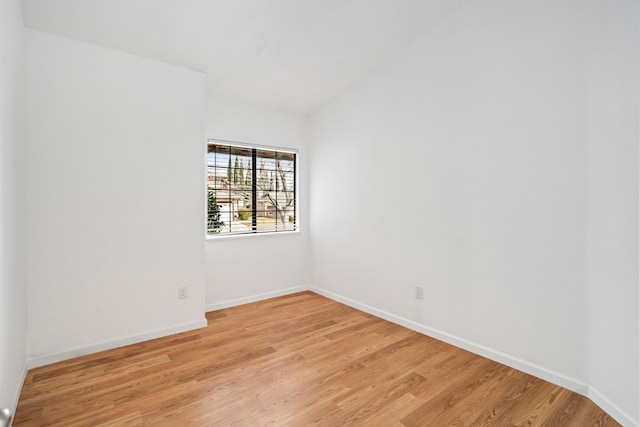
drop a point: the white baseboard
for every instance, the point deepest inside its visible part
(610, 408)
(514, 362)
(254, 298)
(37, 361)
(18, 392)
(498, 356)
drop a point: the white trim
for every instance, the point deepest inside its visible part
(254, 298)
(536, 370)
(550, 375)
(18, 392)
(611, 408)
(546, 374)
(248, 145)
(35, 362)
(214, 237)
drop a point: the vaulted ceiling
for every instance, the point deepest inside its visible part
(290, 54)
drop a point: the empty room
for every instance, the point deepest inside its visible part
(306, 212)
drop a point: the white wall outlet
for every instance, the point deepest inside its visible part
(419, 292)
(183, 292)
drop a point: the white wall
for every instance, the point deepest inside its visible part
(12, 279)
(461, 165)
(243, 269)
(115, 197)
(494, 162)
(612, 220)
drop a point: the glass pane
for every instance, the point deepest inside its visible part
(215, 220)
(289, 157)
(285, 165)
(266, 161)
(286, 181)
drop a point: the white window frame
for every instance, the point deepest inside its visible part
(254, 233)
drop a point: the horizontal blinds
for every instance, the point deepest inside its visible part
(250, 190)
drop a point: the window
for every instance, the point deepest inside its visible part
(250, 189)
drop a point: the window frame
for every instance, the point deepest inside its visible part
(296, 190)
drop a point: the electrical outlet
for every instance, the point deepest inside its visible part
(183, 292)
(419, 292)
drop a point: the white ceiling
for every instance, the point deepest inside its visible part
(291, 54)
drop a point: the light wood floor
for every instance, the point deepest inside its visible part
(297, 360)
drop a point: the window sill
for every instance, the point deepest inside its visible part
(209, 238)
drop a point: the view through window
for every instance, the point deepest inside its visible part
(250, 189)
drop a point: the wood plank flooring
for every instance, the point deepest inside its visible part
(297, 360)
